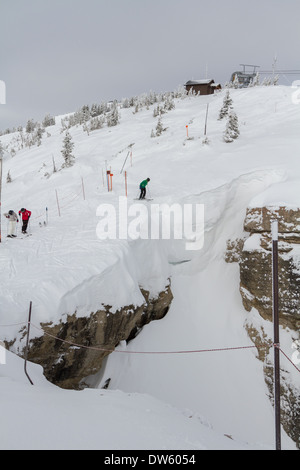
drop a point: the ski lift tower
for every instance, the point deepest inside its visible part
(245, 77)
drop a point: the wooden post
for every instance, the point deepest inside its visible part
(83, 192)
(57, 203)
(276, 334)
(27, 343)
(205, 126)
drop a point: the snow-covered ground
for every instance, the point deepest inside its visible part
(159, 401)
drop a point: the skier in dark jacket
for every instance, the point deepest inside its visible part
(143, 188)
(25, 218)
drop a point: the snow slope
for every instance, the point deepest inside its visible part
(64, 267)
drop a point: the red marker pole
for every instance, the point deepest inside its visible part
(187, 131)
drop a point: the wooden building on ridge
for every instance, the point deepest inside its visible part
(203, 87)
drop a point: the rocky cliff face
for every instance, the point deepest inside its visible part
(254, 255)
(72, 350)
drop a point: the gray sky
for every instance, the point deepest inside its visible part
(57, 55)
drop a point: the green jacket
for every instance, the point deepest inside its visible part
(143, 184)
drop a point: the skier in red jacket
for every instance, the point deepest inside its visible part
(25, 218)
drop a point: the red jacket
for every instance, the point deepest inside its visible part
(25, 215)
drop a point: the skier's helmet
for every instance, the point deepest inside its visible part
(10, 212)
(22, 210)
(148, 179)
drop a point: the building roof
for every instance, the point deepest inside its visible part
(200, 82)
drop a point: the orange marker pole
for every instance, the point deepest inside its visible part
(187, 131)
(111, 175)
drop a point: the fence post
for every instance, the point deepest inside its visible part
(27, 343)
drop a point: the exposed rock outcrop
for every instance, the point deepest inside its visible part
(254, 255)
(66, 364)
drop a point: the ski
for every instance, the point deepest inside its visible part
(24, 236)
(145, 199)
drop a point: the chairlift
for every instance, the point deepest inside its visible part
(244, 78)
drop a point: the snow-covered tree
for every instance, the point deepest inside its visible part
(255, 81)
(236, 83)
(1, 150)
(232, 127)
(227, 105)
(8, 177)
(159, 127)
(68, 146)
(39, 135)
(96, 123)
(30, 126)
(113, 116)
(48, 121)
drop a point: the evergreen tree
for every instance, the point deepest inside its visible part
(30, 126)
(8, 177)
(159, 127)
(255, 81)
(48, 121)
(68, 146)
(227, 105)
(1, 150)
(113, 117)
(39, 135)
(232, 128)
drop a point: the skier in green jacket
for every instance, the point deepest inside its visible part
(143, 188)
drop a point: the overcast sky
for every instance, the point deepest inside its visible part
(57, 55)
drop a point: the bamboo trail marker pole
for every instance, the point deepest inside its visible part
(187, 131)
(276, 334)
(57, 203)
(205, 126)
(27, 343)
(83, 191)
